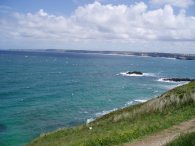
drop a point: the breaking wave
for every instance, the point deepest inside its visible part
(137, 75)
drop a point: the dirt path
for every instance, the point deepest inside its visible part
(167, 135)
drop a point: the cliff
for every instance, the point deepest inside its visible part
(129, 124)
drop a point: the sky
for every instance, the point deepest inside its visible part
(118, 25)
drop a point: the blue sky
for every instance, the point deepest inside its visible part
(66, 7)
(149, 25)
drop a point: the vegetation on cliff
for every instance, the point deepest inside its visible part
(184, 140)
(129, 124)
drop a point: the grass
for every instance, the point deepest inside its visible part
(184, 140)
(128, 124)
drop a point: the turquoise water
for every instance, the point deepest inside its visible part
(40, 92)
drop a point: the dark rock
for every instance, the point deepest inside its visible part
(184, 58)
(178, 79)
(135, 72)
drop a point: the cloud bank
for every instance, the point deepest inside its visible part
(177, 3)
(97, 22)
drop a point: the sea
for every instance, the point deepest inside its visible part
(44, 91)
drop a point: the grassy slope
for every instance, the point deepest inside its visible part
(128, 124)
(184, 140)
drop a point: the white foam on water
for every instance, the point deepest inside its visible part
(99, 114)
(129, 103)
(140, 100)
(172, 85)
(137, 75)
(104, 112)
(89, 120)
(149, 74)
(165, 81)
(168, 87)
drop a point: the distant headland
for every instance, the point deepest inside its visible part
(130, 53)
(149, 54)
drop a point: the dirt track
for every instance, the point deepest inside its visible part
(161, 138)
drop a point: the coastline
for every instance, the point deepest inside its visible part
(130, 103)
(104, 90)
(117, 53)
(161, 112)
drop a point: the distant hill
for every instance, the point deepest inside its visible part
(150, 54)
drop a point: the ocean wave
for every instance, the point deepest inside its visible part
(169, 87)
(174, 85)
(131, 102)
(140, 100)
(169, 58)
(175, 82)
(100, 114)
(137, 75)
(90, 120)
(166, 81)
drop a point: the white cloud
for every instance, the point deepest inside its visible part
(96, 22)
(177, 3)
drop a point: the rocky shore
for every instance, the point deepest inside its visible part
(178, 79)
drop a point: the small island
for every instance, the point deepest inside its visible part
(134, 73)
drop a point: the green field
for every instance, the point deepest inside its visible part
(128, 124)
